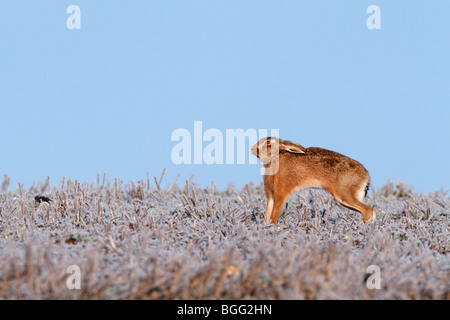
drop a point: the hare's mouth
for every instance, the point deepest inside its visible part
(255, 151)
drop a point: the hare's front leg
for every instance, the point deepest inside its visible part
(278, 205)
(269, 208)
(268, 188)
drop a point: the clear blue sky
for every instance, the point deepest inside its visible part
(107, 97)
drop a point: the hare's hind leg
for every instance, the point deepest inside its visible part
(353, 203)
(352, 199)
(369, 213)
(351, 195)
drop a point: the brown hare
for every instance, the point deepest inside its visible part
(289, 168)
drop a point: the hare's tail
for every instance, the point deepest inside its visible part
(366, 189)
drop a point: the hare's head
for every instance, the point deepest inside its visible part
(268, 148)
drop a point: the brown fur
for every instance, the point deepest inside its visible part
(290, 168)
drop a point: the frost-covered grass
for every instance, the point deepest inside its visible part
(140, 241)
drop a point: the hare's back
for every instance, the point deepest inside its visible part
(332, 160)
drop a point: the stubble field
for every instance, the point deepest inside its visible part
(142, 241)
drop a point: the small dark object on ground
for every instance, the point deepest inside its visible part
(40, 199)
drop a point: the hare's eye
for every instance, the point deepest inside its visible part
(267, 142)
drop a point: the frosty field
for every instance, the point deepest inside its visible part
(143, 241)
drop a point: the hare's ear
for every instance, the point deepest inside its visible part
(292, 147)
